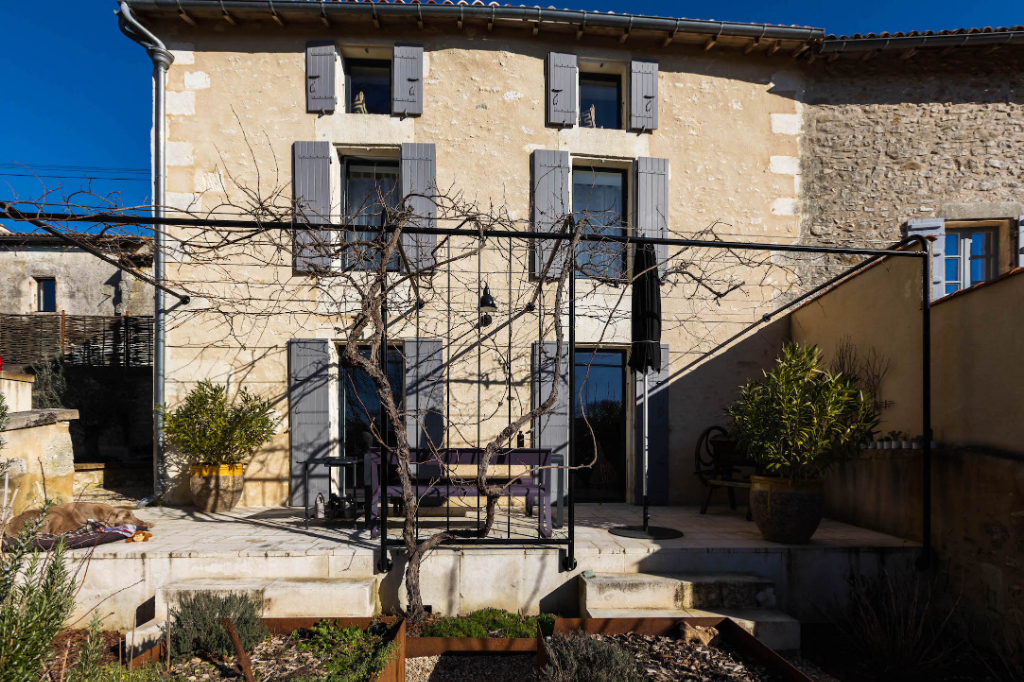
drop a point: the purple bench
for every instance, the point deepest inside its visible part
(436, 476)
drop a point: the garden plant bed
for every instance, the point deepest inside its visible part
(736, 656)
(491, 627)
(281, 656)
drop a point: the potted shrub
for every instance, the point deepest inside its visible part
(795, 423)
(216, 437)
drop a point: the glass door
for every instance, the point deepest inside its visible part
(601, 421)
(360, 404)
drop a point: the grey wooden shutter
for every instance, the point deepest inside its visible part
(551, 429)
(419, 187)
(309, 414)
(550, 207)
(643, 95)
(407, 81)
(562, 108)
(311, 187)
(320, 64)
(1018, 259)
(657, 443)
(652, 204)
(424, 393)
(932, 227)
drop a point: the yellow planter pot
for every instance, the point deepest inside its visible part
(216, 488)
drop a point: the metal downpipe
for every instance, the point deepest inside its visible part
(162, 59)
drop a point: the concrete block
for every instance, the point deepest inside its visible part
(676, 591)
(295, 598)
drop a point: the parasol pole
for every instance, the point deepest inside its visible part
(647, 508)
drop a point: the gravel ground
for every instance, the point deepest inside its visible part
(810, 669)
(468, 668)
(666, 659)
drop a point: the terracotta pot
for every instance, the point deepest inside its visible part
(784, 512)
(216, 488)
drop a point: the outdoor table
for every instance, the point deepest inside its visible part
(342, 463)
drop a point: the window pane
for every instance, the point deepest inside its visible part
(598, 200)
(362, 406)
(369, 88)
(601, 403)
(979, 243)
(369, 188)
(952, 269)
(950, 288)
(600, 101)
(979, 270)
(47, 302)
(952, 245)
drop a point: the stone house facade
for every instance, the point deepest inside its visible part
(755, 130)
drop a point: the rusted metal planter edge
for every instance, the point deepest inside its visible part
(394, 671)
(736, 636)
(416, 647)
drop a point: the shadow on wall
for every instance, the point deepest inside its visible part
(700, 394)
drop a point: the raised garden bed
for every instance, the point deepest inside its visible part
(283, 656)
(736, 656)
(485, 631)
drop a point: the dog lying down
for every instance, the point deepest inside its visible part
(65, 518)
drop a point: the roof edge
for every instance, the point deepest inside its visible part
(879, 43)
(339, 10)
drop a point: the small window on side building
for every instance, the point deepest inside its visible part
(46, 295)
(368, 86)
(971, 257)
(600, 100)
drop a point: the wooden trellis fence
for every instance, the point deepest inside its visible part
(84, 340)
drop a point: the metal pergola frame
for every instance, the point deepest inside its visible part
(569, 563)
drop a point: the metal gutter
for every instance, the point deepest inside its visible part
(993, 39)
(537, 15)
(162, 59)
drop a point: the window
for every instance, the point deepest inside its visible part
(46, 295)
(601, 406)
(970, 258)
(371, 194)
(599, 200)
(360, 404)
(368, 86)
(600, 100)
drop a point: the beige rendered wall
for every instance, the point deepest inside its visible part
(729, 125)
(37, 445)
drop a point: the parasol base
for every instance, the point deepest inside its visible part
(652, 532)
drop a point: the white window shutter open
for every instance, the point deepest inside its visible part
(550, 207)
(652, 204)
(932, 227)
(311, 189)
(1018, 257)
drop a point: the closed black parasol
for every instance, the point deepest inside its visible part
(645, 355)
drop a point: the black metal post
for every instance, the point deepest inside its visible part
(384, 564)
(924, 561)
(570, 458)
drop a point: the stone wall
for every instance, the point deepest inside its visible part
(888, 140)
(38, 445)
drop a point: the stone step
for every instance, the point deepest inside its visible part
(674, 591)
(773, 628)
(285, 597)
(144, 637)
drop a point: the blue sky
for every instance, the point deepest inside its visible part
(77, 93)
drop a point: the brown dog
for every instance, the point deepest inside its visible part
(64, 518)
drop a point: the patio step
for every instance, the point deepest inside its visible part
(285, 597)
(674, 591)
(773, 628)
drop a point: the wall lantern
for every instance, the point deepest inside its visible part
(487, 306)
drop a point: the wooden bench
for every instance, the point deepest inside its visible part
(439, 476)
(719, 464)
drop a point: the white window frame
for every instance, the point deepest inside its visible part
(965, 237)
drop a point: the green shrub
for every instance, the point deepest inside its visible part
(578, 658)
(800, 418)
(196, 628)
(207, 429)
(489, 622)
(3, 418)
(349, 654)
(36, 599)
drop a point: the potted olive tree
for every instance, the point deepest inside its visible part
(795, 423)
(216, 438)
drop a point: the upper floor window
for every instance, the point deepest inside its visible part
(600, 100)
(368, 86)
(971, 257)
(599, 200)
(46, 295)
(371, 195)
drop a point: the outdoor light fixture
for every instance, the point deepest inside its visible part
(487, 306)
